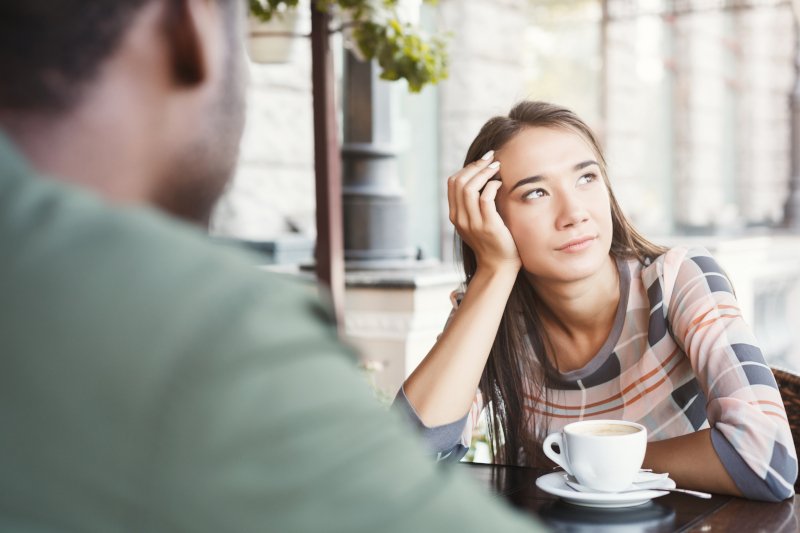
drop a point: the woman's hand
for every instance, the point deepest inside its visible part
(471, 193)
(442, 387)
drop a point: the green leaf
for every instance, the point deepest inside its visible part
(401, 50)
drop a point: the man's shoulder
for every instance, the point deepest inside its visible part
(66, 251)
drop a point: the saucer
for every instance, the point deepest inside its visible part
(555, 484)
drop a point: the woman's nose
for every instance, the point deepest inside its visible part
(571, 211)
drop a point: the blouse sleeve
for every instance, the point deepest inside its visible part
(448, 441)
(749, 428)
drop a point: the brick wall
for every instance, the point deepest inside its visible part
(274, 183)
(486, 78)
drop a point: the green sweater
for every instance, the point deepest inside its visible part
(153, 381)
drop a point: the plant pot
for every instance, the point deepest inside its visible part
(273, 41)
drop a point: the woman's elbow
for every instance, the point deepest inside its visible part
(777, 486)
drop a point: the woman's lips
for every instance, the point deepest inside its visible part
(577, 245)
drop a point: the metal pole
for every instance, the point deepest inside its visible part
(327, 165)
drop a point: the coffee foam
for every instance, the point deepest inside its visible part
(605, 430)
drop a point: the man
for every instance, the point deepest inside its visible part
(150, 381)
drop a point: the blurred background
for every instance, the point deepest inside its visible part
(693, 101)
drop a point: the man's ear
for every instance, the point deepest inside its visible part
(187, 56)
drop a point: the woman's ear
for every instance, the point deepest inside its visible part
(182, 31)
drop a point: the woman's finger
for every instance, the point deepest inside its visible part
(455, 184)
(452, 202)
(471, 194)
(477, 170)
(488, 196)
(470, 170)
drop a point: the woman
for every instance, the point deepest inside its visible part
(570, 314)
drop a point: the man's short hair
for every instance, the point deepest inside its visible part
(50, 48)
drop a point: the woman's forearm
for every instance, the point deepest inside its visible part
(692, 462)
(441, 389)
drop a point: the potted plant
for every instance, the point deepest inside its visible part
(272, 39)
(373, 29)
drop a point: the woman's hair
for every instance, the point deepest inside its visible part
(517, 369)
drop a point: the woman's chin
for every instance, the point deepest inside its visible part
(575, 267)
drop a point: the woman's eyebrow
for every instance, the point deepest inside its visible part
(539, 177)
(584, 164)
(525, 181)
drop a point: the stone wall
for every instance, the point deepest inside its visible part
(486, 79)
(273, 189)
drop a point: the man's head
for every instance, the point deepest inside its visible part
(140, 100)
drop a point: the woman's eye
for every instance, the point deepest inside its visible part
(587, 178)
(535, 193)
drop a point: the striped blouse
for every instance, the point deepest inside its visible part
(679, 358)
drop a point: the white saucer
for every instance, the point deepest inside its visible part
(554, 484)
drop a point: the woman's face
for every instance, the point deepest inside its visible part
(555, 203)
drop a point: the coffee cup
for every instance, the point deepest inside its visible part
(603, 455)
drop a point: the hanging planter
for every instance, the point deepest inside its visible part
(386, 31)
(273, 41)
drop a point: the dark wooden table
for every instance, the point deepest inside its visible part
(673, 512)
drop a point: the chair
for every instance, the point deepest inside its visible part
(789, 385)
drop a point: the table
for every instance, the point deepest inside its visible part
(673, 512)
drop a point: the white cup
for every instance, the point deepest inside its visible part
(603, 455)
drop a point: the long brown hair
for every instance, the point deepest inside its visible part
(517, 367)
